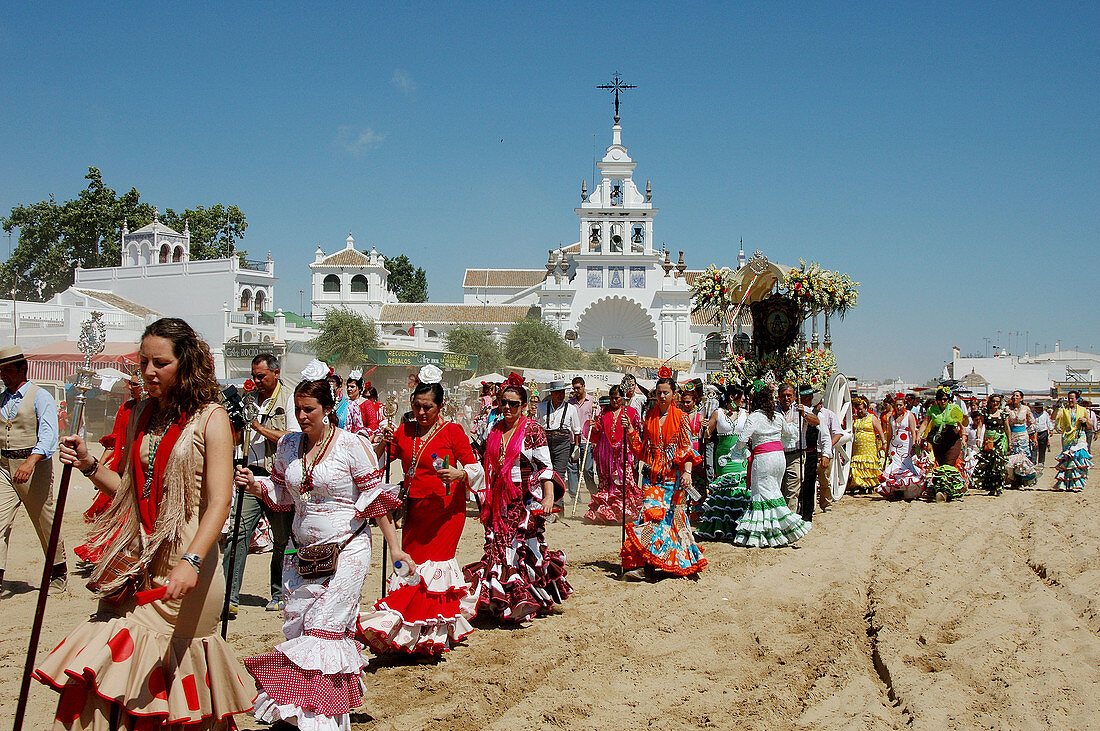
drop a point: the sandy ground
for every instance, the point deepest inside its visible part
(976, 614)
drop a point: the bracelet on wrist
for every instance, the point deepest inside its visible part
(91, 470)
(194, 560)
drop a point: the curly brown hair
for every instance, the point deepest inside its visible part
(195, 384)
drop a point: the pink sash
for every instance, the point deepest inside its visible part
(761, 449)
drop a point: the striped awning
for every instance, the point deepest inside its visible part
(59, 361)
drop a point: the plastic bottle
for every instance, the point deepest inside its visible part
(437, 461)
(405, 572)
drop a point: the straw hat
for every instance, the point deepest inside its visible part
(11, 354)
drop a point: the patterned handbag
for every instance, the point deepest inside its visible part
(319, 561)
(121, 564)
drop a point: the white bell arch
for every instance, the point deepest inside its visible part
(617, 322)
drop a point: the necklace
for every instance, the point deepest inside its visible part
(154, 442)
(307, 472)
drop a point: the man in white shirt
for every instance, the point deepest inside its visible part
(562, 423)
(633, 395)
(800, 416)
(1043, 427)
(585, 404)
(830, 431)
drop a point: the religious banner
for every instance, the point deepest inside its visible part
(775, 322)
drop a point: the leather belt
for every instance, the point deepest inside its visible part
(16, 453)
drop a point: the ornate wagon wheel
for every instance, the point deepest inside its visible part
(838, 399)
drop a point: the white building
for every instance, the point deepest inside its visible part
(350, 278)
(229, 303)
(1032, 374)
(612, 289)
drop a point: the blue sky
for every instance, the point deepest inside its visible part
(946, 155)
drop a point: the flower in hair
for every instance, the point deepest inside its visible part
(758, 386)
(664, 372)
(430, 374)
(355, 375)
(514, 379)
(315, 370)
(249, 386)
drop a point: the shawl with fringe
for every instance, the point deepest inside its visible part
(178, 507)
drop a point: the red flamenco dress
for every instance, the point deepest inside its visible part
(615, 466)
(160, 664)
(429, 612)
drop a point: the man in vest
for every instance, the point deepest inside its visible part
(274, 419)
(563, 427)
(28, 439)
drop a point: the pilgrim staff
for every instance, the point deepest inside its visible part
(93, 336)
(389, 411)
(584, 458)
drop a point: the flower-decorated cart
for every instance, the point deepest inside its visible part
(781, 301)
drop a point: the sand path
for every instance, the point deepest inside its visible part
(981, 613)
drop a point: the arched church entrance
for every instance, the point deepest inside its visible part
(619, 323)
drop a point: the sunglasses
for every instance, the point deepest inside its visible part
(511, 404)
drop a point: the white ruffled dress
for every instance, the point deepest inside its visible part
(313, 679)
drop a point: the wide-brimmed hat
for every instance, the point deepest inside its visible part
(805, 389)
(11, 354)
(557, 386)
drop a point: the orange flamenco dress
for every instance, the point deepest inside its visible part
(661, 536)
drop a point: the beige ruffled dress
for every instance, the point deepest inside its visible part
(160, 665)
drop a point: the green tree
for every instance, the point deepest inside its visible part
(54, 237)
(473, 340)
(599, 361)
(408, 283)
(531, 343)
(345, 337)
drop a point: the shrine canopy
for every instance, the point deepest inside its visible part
(58, 361)
(772, 275)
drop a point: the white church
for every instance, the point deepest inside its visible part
(611, 289)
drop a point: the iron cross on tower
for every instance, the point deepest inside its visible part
(616, 86)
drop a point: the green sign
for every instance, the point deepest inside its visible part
(417, 358)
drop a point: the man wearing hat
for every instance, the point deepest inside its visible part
(562, 423)
(28, 439)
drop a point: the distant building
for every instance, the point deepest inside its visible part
(350, 278)
(1059, 369)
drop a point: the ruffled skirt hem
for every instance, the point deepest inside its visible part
(427, 617)
(770, 524)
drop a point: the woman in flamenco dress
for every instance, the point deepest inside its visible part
(429, 611)
(157, 662)
(614, 463)
(518, 577)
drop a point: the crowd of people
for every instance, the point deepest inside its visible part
(685, 463)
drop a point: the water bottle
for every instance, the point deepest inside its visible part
(442, 463)
(405, 572)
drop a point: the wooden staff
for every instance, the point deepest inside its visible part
(389, 410)
(622, 569)
(93, 336)
(584, 459)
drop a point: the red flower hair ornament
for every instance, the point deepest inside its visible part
(514, 379)
(664, 372)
